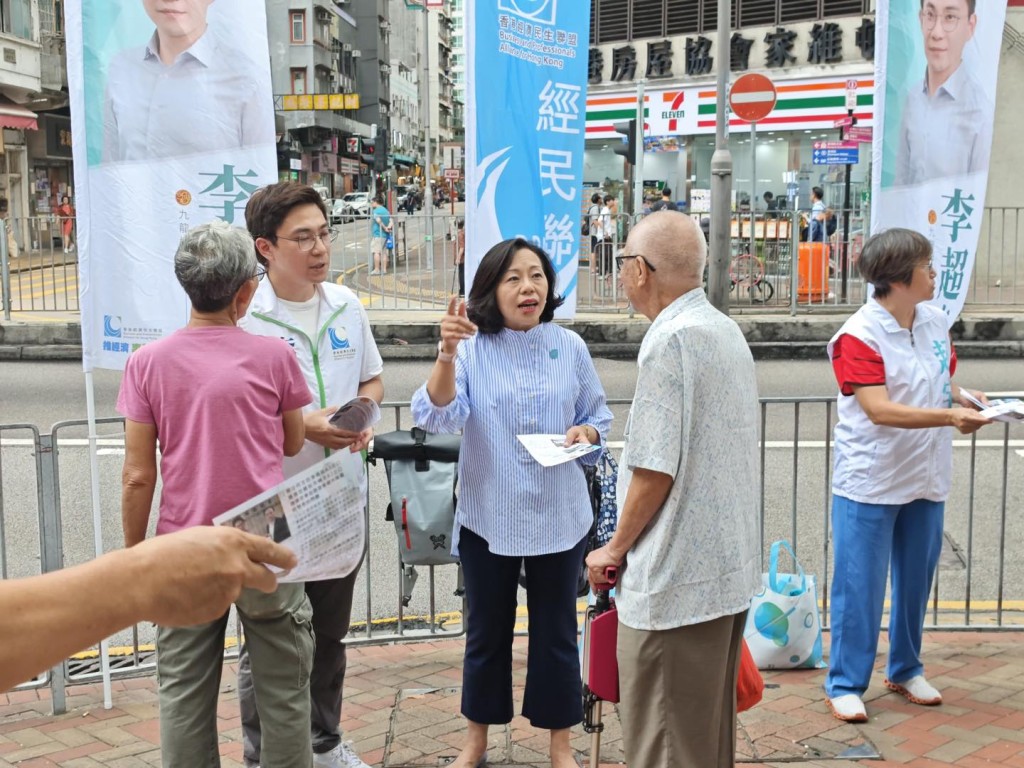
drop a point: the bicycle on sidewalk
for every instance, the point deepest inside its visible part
(746, 275)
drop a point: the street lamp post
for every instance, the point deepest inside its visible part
(428, 186)
(721, 175)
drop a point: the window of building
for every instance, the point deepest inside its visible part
(612, 20)
(298, 26)
(683, 17)
(323, 30)
(16, 18)
(299, 81)
(648, 19)
(616, 21)
(323, 80)
(759, 13)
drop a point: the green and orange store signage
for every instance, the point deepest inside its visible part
(810, 103)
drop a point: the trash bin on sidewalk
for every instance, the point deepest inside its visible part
(812, 272)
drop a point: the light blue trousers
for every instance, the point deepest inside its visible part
(866, 538)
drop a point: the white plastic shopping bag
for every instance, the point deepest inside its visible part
(783, 627)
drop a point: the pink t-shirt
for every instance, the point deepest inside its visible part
(216, 396)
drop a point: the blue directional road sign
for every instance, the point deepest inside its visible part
(835, 153)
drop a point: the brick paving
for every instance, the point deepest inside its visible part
(402, 701)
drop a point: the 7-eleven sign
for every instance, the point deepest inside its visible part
(673, 113)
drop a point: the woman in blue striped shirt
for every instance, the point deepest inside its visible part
(520, 374)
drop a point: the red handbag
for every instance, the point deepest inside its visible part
(749, 683)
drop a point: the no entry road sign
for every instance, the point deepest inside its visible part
(752, 97)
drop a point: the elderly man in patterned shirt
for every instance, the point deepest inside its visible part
(687, 536)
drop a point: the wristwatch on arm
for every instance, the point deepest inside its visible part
(442, 356)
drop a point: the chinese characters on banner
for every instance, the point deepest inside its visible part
(524, 140)
(170, 133)
(934, 107)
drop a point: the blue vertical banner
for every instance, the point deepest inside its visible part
(936, 65)
(173, 118)
(526, 89)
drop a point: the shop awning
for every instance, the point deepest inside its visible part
(13, 116)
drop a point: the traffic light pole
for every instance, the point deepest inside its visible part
(638, 161)
(721, 175)
(844, 246)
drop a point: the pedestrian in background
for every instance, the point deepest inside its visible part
(225, 407)
(288, 221)
(606, 238)
(665, 203)
(381, 230)
(67, 225)
(688, 534)
(594, 217)
(894, 362)
(505, 369)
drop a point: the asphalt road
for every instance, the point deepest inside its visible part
(794, 481)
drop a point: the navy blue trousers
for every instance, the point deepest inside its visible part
(554, 689)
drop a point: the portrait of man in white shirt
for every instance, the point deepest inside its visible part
(189, 90)
(946, 128)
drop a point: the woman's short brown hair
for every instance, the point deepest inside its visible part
(891, 256)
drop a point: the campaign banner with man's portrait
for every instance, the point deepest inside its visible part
(936, 64)
(173, 119)
(526, 86)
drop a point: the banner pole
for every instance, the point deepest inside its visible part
(97, 519)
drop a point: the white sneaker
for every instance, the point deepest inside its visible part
(374, 272)
(916, 690)
(342, 756)
(848, 708)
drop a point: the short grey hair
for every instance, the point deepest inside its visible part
(212, 263)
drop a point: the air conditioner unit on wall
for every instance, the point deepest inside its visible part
(356, 53)
(346, 47)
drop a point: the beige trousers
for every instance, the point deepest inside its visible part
(678, 694)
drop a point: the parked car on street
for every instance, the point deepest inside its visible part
(354, 205)
(335, 211)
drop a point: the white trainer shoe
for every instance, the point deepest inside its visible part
(916, 690)
(342, 756)
(848, 708)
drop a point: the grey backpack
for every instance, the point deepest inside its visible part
(422, 470)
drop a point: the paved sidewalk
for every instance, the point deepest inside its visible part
(402, 702)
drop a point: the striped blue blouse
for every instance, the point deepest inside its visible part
(540, 381)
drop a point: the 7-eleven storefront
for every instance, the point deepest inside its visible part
(680, 140)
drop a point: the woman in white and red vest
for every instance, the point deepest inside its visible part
(894, 361)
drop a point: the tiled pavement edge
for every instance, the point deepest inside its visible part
(980, 724)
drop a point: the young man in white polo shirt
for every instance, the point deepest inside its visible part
(330, 332)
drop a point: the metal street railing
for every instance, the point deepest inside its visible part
(974, 589)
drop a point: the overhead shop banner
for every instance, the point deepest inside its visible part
(526, 120)
(935, 72)
(803, 104)
(173, 118)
